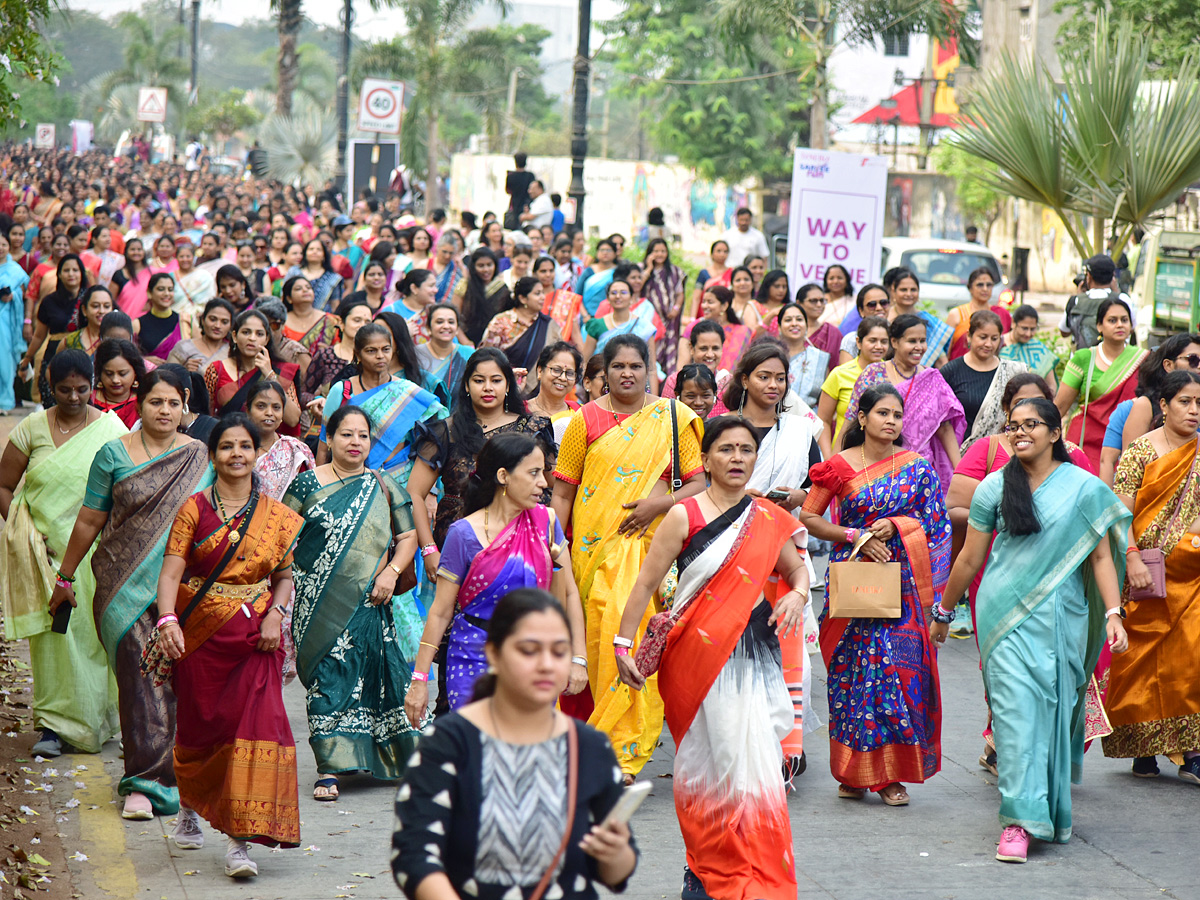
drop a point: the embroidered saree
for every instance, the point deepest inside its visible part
(928, 404)
(520, 556)
(885, 709)
(74, 691)
(1100, 396)
(1040, 621)
(347, 650)
(1153, 695)
(727, 705)
(235, 757)
(141, 500)
(615, 464)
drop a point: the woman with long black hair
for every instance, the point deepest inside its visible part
(252, 356)
(1051, 595)
(482, 295)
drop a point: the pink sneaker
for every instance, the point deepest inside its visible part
(1014, 845)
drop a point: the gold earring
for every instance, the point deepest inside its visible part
(505, 494)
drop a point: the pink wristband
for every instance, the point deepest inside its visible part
(420, 676)
(621, 651)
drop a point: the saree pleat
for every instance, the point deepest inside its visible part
(728, 708)
(884, 698)
(621, 466)
(347, 650)
(1153, 697)
(234, 758)
(1040, 620)
(126, 563)
(74, 691)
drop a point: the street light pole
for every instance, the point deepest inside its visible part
(195, 92)
(580, 111)
(343, 95)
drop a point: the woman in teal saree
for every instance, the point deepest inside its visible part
(1049, 598)
(347, 649)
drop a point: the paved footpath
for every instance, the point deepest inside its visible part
(1133, 839)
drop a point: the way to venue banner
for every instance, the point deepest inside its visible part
(836, 216)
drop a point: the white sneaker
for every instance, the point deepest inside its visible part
(238, 863)
(188, 835)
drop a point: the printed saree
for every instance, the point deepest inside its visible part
(324, 331)
(660, 290)
(1153, 697)
(1036, 356)
(938, 336)
(520, 556)
(1100, 396)
(235, 757)
(1040, 621)
(621, 466)
(347, 650)
(884, 700)
(727, 705)
(990, 418)
(563, 305)
(928, 404)
(126, 563)
(74, 691)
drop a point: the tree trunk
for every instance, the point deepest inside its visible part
(432, 196)
(288, 71)
(818, 117)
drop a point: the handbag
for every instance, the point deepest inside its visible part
(1155, 559)
(407, 579)
(572, 787)
(864, 590)
(155, 664)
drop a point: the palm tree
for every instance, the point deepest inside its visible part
(149, 61)
(301, 149)
(1102, 144)
(812, 23)
(287, 67)
(434, 27)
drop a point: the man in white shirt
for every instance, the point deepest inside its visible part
(743, 240)
(541, 210)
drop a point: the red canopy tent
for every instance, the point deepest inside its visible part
(907, 111)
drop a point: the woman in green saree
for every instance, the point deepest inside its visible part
(1049, 598)
(137, 485)
(347, 649)
(74, 693)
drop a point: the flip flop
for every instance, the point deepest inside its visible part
(897, 798)
(329, 786)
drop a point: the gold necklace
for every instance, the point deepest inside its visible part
(234, 534)
(149, 455)
(58, 421)
(645, 399)
(870, 493)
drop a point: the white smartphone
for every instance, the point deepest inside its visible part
(629, 802)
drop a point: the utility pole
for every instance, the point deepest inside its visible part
(194, 95)
(343, 96)
(818, 117)
(579, 113)
(928, 91)
(179, 47)
(604, 127)
(510, 111)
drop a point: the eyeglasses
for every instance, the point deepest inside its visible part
(1027, 426)
(1193, 360)
(877, 304)
(986, 285)
(560, 372)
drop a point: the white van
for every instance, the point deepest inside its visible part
(942, 268)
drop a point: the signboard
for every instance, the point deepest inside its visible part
(1174, 283)
(152, 104)
(43, 136)
(380, 106)
(836, 215)
(370, 164)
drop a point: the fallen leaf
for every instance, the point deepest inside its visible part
(361, 875)
(38, 860)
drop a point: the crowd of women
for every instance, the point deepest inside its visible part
(493, 493)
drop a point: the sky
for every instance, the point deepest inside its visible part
(368, 22)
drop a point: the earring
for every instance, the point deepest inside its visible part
(742, 405)
(604, 390)
(505, 493)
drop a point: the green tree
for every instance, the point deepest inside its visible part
(224, 115)
(974, 180)
(1094, 146)
(715, 105)
(809, 25)
(25, 57)
(149, 60)
(46, 103)
(1173, 26)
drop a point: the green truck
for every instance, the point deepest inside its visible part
(1168, 281)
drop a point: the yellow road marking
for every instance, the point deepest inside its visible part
(103, 833)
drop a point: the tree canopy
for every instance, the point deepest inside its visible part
(25, 57)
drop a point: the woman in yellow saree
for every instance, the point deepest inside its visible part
(613, 485)
(1153, 699)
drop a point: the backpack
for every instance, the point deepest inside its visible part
(1081, 317)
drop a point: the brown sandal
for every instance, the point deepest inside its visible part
(894, 795)
(851, 793)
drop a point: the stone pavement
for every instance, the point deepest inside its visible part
(1132, 838)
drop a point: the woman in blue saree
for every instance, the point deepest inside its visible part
(348, 652)
(885, 710)
(1049, 598)
(642, 322)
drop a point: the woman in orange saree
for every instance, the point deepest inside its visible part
(235, 757)
(1153, 699)
(721, 674)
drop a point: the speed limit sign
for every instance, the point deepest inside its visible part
(380, 106)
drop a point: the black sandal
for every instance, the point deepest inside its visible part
(330, 785)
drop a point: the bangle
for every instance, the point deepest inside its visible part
(621, 651)
(939, 614)
(69, 579)
(428, 550)
(579, 661)
(29, 321)
(279, 609)
(420, 676)
(167, 619)
(62, 583)
(619, 641)
(432, 647)
(394, 568)
(1133, 549)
